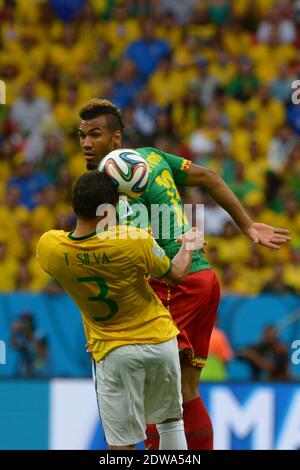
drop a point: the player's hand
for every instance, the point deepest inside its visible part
(268, 236)
(192, 239)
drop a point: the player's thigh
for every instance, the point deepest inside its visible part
(201, 334)
(196, 312)
(193, 306)
(120, 380)
(163, 398)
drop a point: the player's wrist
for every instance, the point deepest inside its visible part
(246, 225)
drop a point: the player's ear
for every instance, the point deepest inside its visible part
(117, 137)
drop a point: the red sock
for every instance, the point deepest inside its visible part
(197, 425)
(152, 441)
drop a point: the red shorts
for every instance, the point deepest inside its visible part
(193, 305)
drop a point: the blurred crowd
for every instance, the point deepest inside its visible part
(210, 80)
(32, 348)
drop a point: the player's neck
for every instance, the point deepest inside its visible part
(84, 227)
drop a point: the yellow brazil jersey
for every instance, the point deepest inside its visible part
(106, 276)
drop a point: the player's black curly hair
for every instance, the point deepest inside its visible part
(91, 190)
(98, 107)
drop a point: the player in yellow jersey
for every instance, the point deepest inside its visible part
(130, 334)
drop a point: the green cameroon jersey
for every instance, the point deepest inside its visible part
(160, 208)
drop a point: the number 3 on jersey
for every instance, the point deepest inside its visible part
(101, 297)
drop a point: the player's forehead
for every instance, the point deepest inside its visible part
(98, 122)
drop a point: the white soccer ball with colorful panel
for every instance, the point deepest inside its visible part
(128, 170)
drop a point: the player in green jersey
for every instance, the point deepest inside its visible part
(193, 304)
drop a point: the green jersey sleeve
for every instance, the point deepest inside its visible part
(179, 166)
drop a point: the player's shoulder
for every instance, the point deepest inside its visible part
(129, 241)
(146, 152)
(155, 159)
(132, 233)
(151, 154)
(132, 239)
(51, 237)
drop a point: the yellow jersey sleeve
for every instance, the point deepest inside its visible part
(157, 264)
(43, 251)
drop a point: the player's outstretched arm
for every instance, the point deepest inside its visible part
(190, 241)
(263, 234)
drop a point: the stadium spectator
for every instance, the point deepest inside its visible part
(66, 106)
(276, 285)
(256, 272)
(64, 184)
(53, 158)
(245, 83)
(44, 216)
(23, 278)
(66, 9)
(164, 127)
(32, 347)
(268, 359)
(240, 184)
(270, 112)
(291, 268)
(166, 83)
(183, 11)
(186, 112)
(22, 338)
(42, 363)
(276, 20)
(219, 355)
(257, 168)
(123, 29)
(141, 9)
(281, 86)
(232, 242)
(291, 172)
(132, 137)
(29, 110)
(127, 83)
(29, 182)
(215, 217)
(280, 148)
(12, 212)
(8, 269)
(231, 280)
(187, 54)
(23, 243)
(203, 140)
(145, 113)
(147, 51)
(219, 11)
(204, 82)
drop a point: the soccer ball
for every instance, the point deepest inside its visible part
(128, 171)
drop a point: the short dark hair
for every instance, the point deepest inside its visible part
(90, 191)
(98, 107)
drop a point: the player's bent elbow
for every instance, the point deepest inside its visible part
(174, 279)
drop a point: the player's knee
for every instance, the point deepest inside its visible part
(189, 393)
(189, 390)
(189, 383)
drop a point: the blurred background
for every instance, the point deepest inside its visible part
(210, 80)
